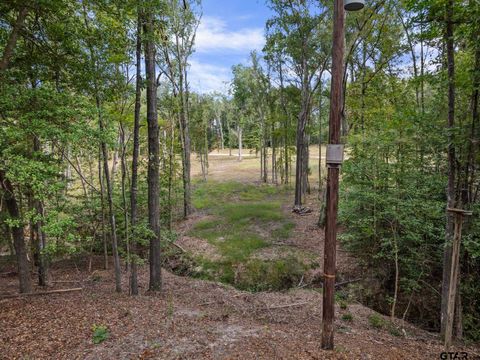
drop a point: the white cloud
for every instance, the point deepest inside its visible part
(206, 78)
(214, 35)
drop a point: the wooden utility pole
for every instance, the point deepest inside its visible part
(334, 159)
(454, 271)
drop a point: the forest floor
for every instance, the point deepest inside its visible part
(194, 318)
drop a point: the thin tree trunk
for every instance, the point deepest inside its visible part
(115, 157)
(102, 205)
(135, 155)
(185, 129)
(123, 164)
(171, 174)
(449, 228)
(285, 127)
(40, 234)
(111, 211)
(239, 132)
(222, 140)
(320, 180)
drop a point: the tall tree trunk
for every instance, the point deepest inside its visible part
(222, 140)
(17, 233)
(320, 180)
(449, 228)
(470, 168)
(171, 173)
(40, 234)
(136, 145)
(12, 39)
(115, 155)
(111, 210)
(123, 167)
(185, 129)
(239, 132)
(285, 126)
(300, 170)
(102, 205)
(274, 154)
(153, 174)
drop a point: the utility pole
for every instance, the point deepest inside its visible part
(334, 161)
(454, 273)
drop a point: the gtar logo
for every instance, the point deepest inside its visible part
(453, 355)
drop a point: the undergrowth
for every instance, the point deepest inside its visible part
(244, 219)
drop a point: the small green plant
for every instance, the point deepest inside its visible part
(100, 333)
(376, 321)
(347, 317)
(343, 305)
(394, 330)
(341, 296)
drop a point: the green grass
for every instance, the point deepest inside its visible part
(238, 247)
(207, 224)
(283, 232)
(246, 218)
(252, 211)
(377, 321)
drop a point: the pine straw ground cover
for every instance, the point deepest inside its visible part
(191, 319)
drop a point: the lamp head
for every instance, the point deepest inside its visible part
(353, 5)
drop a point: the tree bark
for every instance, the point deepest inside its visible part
(450, 192)
(153, 174)
(239, 133)
(111, 210)
(185, 129)
(136, 146)
(17, 233)
(40, 234)
(102, 204)
(336, 101)
(12, 39)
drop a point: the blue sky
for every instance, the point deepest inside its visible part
(229, 30)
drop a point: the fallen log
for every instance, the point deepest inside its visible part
(347, 282)
(8, 274)
(286, 306)
(39, 293)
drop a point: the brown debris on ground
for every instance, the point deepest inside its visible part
(190, 319)
(195, 319)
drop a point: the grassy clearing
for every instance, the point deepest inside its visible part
(246, 219)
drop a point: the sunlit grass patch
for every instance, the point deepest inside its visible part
(247, 218)
(237, 247)
(265, 211)
(207, 224)
(211, 194)
(284, 231)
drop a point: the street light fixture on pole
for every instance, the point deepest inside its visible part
(334, 161)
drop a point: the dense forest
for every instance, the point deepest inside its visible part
(107, 151)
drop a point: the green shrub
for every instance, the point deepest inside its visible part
(260, 275)
(376, 321)
(347, 317)
(394, 330)
(100, 333)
